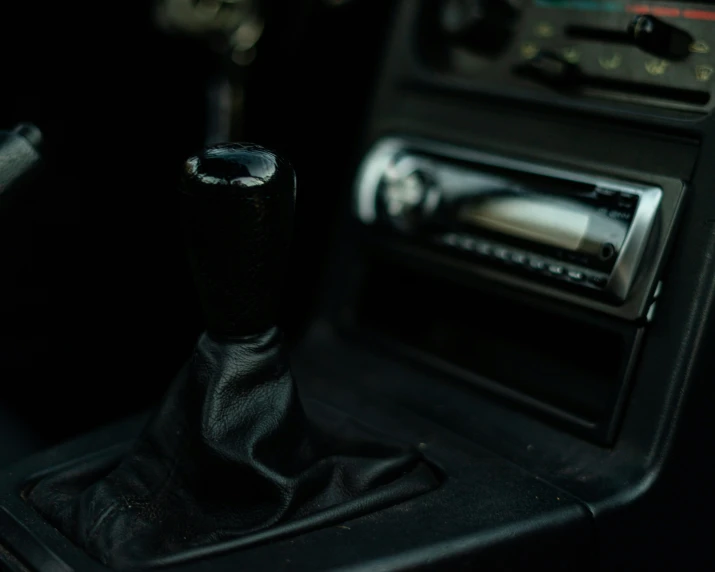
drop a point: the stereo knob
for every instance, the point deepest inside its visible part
(484, 26)
(409, 196)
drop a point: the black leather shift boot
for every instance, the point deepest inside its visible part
(229, 459)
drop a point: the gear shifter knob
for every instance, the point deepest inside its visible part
(238, 203)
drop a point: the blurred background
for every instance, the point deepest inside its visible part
(97, 310)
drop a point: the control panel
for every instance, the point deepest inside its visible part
(660, 54)
(514, 259)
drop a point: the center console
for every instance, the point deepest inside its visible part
(472, 230)
(519, 289)
(530, 221)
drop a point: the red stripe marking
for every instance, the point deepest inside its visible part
(699, 14)
(638, 9)
(663, 11)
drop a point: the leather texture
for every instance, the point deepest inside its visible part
(229, 459)
(238, 203)
(20, 157)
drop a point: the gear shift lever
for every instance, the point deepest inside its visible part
(238, 209)
(230, 457)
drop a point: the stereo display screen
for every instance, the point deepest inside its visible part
(559, 223)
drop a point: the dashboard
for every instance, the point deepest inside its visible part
(656, 54)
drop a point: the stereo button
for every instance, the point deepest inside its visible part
(606, 193)
(598, 281)
(628, 199)
(451, 239)
(502, 254)
(556, 270)
(576, 276)
(468, 243)
(519, 258)
(537, 264)
(484, 249)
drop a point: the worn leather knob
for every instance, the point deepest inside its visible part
(238, 203)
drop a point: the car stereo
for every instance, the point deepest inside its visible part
(576, 232)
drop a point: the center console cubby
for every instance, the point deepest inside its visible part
(569, 366)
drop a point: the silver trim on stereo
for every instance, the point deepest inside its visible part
(383, 154)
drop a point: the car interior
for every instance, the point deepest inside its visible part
(357, 285)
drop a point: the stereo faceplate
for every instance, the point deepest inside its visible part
(563, 232)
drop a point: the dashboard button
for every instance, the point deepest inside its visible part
(483, 249)
(502, 254)
(519, 258)
(556, 270)
(450, 239)
(606, 193)
(537, 264)
(468, 243)
(598, 281)
(576, 276)
(550, 68)
(628, 198)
